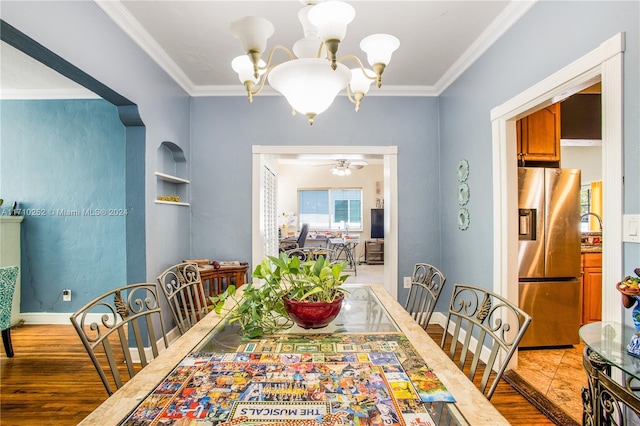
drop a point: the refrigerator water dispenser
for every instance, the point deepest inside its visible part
(527, 224)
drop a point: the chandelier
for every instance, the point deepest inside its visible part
(313, 75)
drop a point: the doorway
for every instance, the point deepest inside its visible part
(603, 64)
(264, 155)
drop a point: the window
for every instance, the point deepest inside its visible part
(270, 243)
(585, 206)
(331, 208)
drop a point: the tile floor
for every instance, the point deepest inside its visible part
(556, 373)
(366, 274)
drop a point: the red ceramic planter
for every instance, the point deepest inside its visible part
(313, 314)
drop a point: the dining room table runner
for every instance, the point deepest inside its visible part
(299, 380)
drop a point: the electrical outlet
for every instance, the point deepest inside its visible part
(407, 282)
(66, 295)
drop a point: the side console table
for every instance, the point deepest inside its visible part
(374, 252)
(613, 375)
(216, 281)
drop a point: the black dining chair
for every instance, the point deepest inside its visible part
(427, 282)
(486, 330)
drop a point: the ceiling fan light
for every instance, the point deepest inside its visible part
(340, 171)
(331, 19)
(379, 48)
(253, 32)
(310, 85)
(243, 66)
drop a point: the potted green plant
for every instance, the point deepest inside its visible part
(290, 289)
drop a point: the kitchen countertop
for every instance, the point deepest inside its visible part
(591, 248)
(591, 242)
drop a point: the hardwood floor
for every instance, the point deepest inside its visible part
(51, 381)
(512, 405)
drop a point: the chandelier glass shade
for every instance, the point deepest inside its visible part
(253, 32)
(331, 19)
(309, 85)
(243, 66)
(312, 78)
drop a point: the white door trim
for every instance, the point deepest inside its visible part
(605, 63)
(262, 153)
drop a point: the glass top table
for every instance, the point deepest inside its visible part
(361, 312)
(609, 340)
(372, 333)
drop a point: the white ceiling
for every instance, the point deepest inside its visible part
(192, 42)
(22, 77)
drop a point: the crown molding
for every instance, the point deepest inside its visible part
(389, 90)
(121, 16)
(130, 25)
(509, 16)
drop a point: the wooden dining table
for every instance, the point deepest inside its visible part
(373, 356)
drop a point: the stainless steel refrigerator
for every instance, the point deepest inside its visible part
(549, 254)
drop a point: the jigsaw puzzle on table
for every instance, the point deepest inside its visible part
(298, 380)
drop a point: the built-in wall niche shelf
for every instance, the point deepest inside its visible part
(173, 203)
(170, 178)
(172, 184)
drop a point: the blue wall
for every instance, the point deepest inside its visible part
(548, 38)
(224, 129)
(432, 134)
(64, 162)
(86, 37)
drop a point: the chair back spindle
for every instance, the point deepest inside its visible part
(183, 288)
(427, 282)
(482, 320)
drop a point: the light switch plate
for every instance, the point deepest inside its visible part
(407, 282)
(631, 228)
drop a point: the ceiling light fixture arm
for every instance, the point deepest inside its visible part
(332, 50)
(357, 60)
(355, 98)
(273, 51)
(360, 81)
(255, 59)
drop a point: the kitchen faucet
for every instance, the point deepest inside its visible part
(597, 217)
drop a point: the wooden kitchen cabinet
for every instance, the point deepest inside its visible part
(539, 136)
(591, 287)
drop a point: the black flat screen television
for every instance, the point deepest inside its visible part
(377, 223)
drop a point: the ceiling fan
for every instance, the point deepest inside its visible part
(342, 167)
